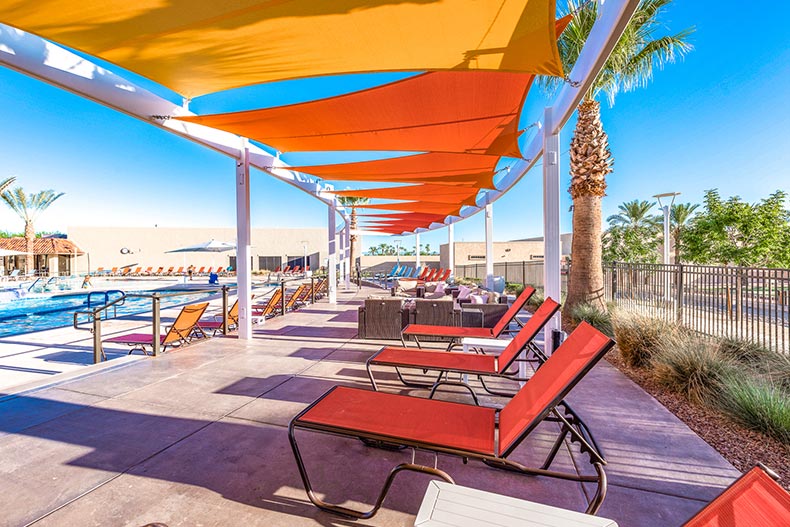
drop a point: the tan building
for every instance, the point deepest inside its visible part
(526, 250)
(110, 247)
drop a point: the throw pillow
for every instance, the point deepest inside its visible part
(478, 299)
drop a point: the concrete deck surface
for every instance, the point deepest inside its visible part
(198, 437)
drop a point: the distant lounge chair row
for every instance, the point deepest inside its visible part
(425, 274)
(161, 271)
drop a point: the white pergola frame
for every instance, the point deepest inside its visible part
(48, 62)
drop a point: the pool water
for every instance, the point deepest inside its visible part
(36, 313)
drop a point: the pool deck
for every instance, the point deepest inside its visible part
(199, 437)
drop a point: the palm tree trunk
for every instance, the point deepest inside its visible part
(590, 163)
(354, 240)
(585, 283)
(30, 236)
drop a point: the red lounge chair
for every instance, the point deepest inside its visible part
(444, 276)
(469, 432)
(180, 332)
(456, 333)
(277, 270)
(424, 273)
(753, 500)
(446, 362)
(433, 275)
(296, 270)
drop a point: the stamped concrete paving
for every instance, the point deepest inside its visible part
(199, 437)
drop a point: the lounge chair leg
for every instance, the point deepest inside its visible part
(453, 383)
(370, 373)
(352, 513)
(494, 392)
(414, 384)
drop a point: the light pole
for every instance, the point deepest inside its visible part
(666, 209)
(304, 253)
(397, 251)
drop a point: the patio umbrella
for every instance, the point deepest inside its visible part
(211, 246)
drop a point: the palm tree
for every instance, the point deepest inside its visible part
(634, 214)
(679, 217)
(5, 184)
(630, 66)
(29, 207)
(353, 202)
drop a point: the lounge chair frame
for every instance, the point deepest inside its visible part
(571, 426)
(443, 379)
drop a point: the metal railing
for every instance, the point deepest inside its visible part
(746, 303)
(95, 316)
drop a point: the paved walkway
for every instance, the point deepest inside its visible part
(199, 437)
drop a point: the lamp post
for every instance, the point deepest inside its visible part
(304, 254)
(666, 209)
(397, 251)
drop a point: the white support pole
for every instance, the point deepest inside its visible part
(451, 248)
(243, 271)
(341, 256)
(489, 212)
(417, 249)
(332, 265)
(349, 263)
(551, 221)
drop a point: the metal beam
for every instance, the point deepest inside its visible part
(331, 266)
(243, 267)
(489, 227)
(551, 223)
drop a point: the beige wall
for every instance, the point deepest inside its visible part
(148, 245)
(528, 250)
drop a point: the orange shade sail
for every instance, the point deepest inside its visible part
(436, 193)
(429, 207)
(457, 112)
(429, 168)
(203, 46)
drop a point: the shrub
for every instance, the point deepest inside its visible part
(537, 298)
(514, 288)
(691, 366)
(639, 336)
(758, 405)
(597, 318)
(767, 363)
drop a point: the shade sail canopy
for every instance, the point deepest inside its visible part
(448, 111)
(203, 46)
(435, 193)
(427, 207)
(427, 168)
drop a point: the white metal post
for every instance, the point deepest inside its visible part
(341, 256)
(243, 271)
(451, 248)
(665, 208)
(349, 263)
(332, 264)
(489, 212)
(417, 248)
(551, 221)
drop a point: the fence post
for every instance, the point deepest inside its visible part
(282, 298)
(224, 309)
(679, 284)
(523, 273)
(97, 345)
(614, 281)
(156, 323)
(312, 287)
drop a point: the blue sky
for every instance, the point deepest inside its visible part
(718, 119)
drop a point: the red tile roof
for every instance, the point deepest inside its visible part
(41, 245)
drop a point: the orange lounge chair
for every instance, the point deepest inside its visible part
(216, 324)
(126, 272)
(469, 432)
(447, 362)
(455, 333)
(291, 301)
(178, 334)
(200, 271)
(269, 309)
(180, 271)
(753, 500)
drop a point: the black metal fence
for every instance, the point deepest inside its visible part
(741, 302)
(516, 272)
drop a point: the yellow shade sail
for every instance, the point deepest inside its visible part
(203, 46)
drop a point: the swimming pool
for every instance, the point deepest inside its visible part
(39, 312)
